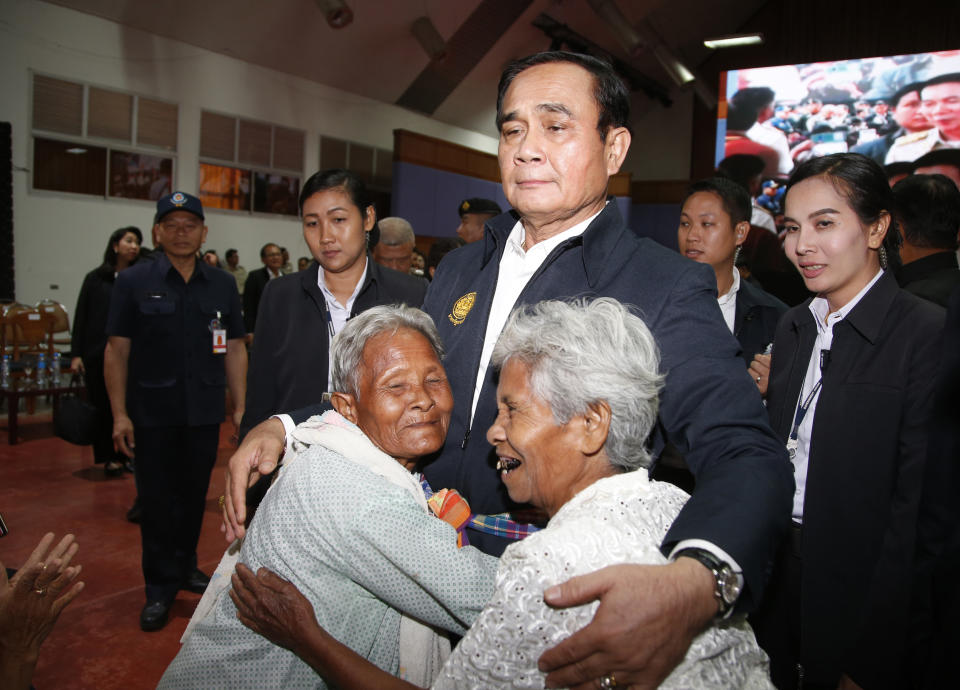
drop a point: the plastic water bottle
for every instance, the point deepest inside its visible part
(5, 372)
(55, 370)
(41, 370)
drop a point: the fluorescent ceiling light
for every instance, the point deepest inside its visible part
(734, 40)
(76, 150)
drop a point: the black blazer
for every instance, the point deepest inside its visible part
(252, 292)
(864, 478)
(933, 277)
(755, 319)
(289, 362)
(90, 318)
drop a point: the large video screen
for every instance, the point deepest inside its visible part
(893, 109)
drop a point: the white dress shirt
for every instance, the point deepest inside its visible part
(339, 313)
(728, 302)
(825, 323)
(516, 269)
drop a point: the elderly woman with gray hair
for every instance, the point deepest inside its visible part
(347, 522)
(577, 398)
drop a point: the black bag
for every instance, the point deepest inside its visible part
(76, 419)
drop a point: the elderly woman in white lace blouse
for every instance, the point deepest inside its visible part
(347, 522)
(577, 399)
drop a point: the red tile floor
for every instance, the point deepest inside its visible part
(48, 485)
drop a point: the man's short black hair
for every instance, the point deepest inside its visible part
(230, 252)
(610, 93)
(734, 197)
(264, 248)
(903, 91)
(741, 168)
(928, 207)
(745, 106)
(898, 168)
(941, 79)
(938, 157)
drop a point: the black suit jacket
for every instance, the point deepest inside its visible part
(755, 319)
(933, 277)
(864, 479)
(252, 293)
(290, 358)
(90, 318)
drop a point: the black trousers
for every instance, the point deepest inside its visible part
(97, 395)
(777, 621)
(173, 473)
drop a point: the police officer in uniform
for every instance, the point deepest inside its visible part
(175, 339)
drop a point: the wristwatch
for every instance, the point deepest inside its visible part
(726, 582)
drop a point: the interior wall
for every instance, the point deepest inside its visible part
(660, 146)
(59, 237)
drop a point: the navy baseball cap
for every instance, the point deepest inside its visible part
(477, 205)
(178, 201)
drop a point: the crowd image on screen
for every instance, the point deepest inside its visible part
(891, 109)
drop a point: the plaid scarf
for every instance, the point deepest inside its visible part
(451, 507)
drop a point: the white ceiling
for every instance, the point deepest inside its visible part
(377, 56)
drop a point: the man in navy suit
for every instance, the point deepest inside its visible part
(256, 282)
(563, 132)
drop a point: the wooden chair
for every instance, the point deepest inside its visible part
(7, 311)
(32, 333)
(61, 320)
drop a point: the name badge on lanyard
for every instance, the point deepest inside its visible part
(219, 336)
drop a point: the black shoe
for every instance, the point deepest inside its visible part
(195, 582)
(128, 466)
(133, 515)
(113, 469)
(154, 615)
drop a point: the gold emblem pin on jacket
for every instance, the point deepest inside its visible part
(461, 308)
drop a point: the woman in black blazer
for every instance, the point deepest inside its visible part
(90, 337)
(299, 313)
(714, 222)
(852, 377)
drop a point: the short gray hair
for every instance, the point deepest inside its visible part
(395, 231)
(347, 345)
(583, 352)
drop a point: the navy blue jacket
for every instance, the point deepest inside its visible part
(173, 376)
(709, 409)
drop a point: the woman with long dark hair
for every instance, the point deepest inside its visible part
(853, 372)
(89, 338)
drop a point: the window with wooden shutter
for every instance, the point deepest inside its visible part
(57, 105)
(72, 120)
(157, 123)
(109, 115)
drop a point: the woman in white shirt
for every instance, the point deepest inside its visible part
(850, 389)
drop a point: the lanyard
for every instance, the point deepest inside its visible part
(803, 407)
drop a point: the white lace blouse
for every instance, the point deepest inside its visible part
(620, 519)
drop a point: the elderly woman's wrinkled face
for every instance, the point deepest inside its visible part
(541, 462)
(404, 401)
